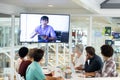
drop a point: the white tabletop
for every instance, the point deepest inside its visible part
(107, 78)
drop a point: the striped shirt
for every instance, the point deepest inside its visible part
(108, 70)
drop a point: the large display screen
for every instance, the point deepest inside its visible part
(44, 28)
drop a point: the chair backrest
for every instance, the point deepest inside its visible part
(18, 76)
(64, 37)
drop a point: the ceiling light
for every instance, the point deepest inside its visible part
(50, 5)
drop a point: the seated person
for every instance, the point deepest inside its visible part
(109, 67)
(79, 60)
(93, 62)
(25, 63)
(44, 31)
(23, 51)
(34, 70)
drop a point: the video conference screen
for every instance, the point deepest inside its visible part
(44, 28)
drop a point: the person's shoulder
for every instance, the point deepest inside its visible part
(32, 67)
(82, 56)
(111, 61)
(19, 60)
(35, 65)
(98, 58)
(27, 62)
(49, 26)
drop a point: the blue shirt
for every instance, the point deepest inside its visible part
(46, 31)
(34, 72)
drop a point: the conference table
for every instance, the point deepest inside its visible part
(107, 78)
(77, 75)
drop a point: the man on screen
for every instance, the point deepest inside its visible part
(45, 32)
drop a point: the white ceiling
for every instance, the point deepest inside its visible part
(42, 3)
(59, 6)
(42, 6)
(98, 1)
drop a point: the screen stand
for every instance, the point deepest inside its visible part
(46, 55)
(56, 54)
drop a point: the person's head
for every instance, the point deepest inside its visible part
(79, 48)
(23, 51)
(107, 51)
(44, 20)
(37, 54)
(90, 51)
(30, 54)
